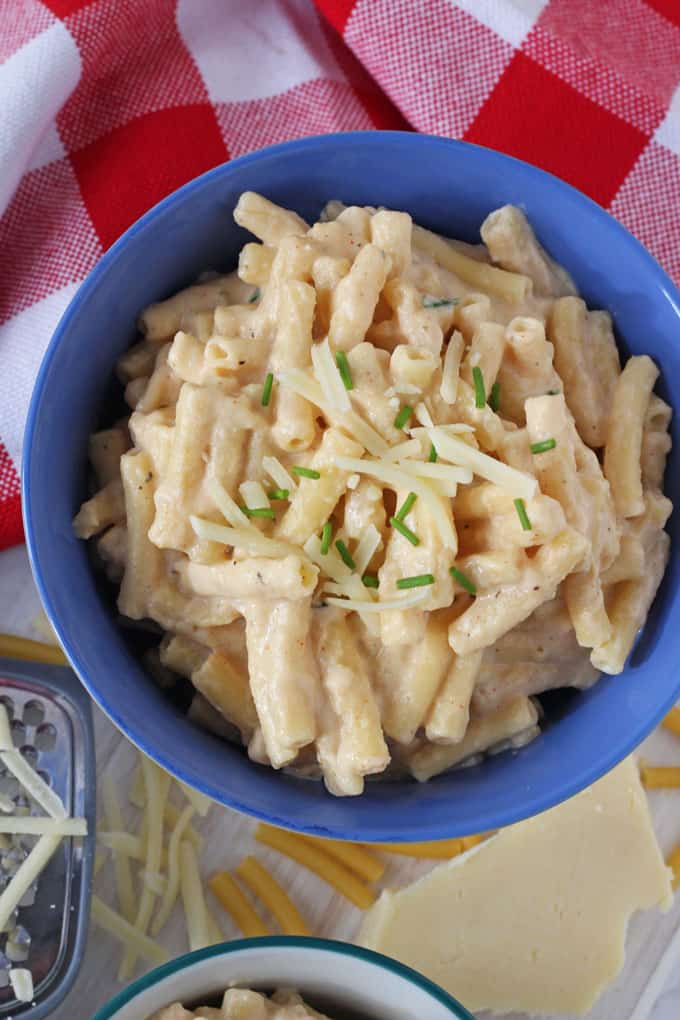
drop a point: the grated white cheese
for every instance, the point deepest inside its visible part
(353, 481)
(26, 874)
(116, 925)
(241, 538)
(411, 448)
(366, 547)
(330, 562)
(200, 803)
(440, 472)
(517, 483)
(36, 787)
(451, 368)
(22, 983)
(329, 378)
(423, 415)
(227, 506)
(26, 825)
(299, 382)
(193, 898)
(406, 389)
(399, 479)
(254, 496)
(278, 473)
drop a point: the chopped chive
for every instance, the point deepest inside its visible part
(432, 302)
(259, 511)
(553, 393)
(495, 397)
(403, 416)
(278, 494)
(547, 444)
(267, 389)
(463, 581)
(522, 514)
(432, 457)
(417, 581)
(326, 533)
(480, 392)
(345, 554)
(370, 581)
(403, 530)
(254, 296)
(405, 508)
(304, 472)
(343, 368)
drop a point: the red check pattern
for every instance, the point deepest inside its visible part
(108, 105)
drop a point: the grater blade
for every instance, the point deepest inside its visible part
(52, 727)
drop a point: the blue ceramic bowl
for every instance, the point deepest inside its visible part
(448, 186)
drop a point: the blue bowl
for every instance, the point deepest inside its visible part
(448, 186)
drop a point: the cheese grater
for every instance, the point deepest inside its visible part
(51, 722)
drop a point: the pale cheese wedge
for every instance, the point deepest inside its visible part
(535, 918)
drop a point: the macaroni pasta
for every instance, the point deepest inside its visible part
(381, 489)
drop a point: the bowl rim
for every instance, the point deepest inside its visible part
(535, 803)
(289, 942)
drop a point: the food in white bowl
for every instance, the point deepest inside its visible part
(245, 1004)
(380, 489)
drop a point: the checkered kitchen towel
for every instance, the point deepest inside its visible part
(108, 105)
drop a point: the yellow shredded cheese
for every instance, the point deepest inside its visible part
(414, 598)
(27, 872)
(36, 787)
(192, 898)
(368, 544)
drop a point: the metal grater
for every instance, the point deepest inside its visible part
(52, 726)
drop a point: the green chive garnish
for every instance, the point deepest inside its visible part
(480, 392)
(495, 397)
(345, 554)
(433, 302)
(418, 581)
(254, 296)
(403, 530)
(432, 458)
(304, 472)
(406, 506)
(370, 581)
(463, 581)
(522, 514)
(259, 511)
(553, 393)
(326, 533)
(547, 444)
(403, 416)
(278, 494)
(267, 389)
(343, 368)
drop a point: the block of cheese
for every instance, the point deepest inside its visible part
(535, 918)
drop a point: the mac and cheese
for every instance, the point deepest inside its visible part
(380, 488)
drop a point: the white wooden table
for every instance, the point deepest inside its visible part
(229, 837)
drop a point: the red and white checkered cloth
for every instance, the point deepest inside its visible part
(108, 105)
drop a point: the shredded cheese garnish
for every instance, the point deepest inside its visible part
(399, 478)
(516, 483)
(329, 378)
(241, 538)
(278, 473)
